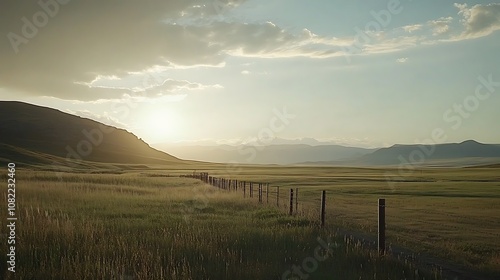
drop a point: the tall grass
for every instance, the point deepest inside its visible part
(132, 226)
(450, 213)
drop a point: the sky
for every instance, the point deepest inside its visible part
(358, 73)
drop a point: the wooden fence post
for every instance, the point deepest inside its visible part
(278, 197)
(296, 200)
(260, 192)
(381, 226)
(291, 202)
(244, 189)
(267, 193)
(323, 208)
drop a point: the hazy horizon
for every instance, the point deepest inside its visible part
(356, 74)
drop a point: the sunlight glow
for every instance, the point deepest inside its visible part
(161, 126)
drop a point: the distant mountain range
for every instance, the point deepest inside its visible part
(421, 153)
(272, 154)
(456, 154)
(251, 142)
(39, 135)
(467, 153)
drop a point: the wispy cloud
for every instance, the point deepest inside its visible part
(479, 20)
(412, 28)
(440, 26)
(169, 34)
(147, 86)
(104, 118)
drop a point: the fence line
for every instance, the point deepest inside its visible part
(289, 202)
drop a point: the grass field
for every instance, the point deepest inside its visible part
(450, 213)
(141, 224)
(138, 226)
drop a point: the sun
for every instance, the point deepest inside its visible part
(161, 126)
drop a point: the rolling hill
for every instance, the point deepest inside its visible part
(38, 135)
(467, 153)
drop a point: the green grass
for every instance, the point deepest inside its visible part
(138, 226)
(452, 213)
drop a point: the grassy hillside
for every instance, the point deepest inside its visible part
(52, 132)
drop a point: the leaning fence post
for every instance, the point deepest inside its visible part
(323, 208)
(291, 201)
(381, 226)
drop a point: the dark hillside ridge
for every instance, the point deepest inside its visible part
(26, 127)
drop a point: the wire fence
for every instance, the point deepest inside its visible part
(352, 212)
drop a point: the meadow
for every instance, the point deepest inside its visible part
(146, 223)
(449, 213)
(137, 225)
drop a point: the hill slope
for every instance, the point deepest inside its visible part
(34, 134)
(467, 153)
(421, 154)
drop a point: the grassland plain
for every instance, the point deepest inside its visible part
(451, 213)
(138, 225)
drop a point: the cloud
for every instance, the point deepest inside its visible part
(104, 118)
(84, 40)
(263, 40)
(146, 85)
(412, 28)
(392, 44)
(440, 26)
(402, 60)
(245, 72)
(66, 49)
(479, 20)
